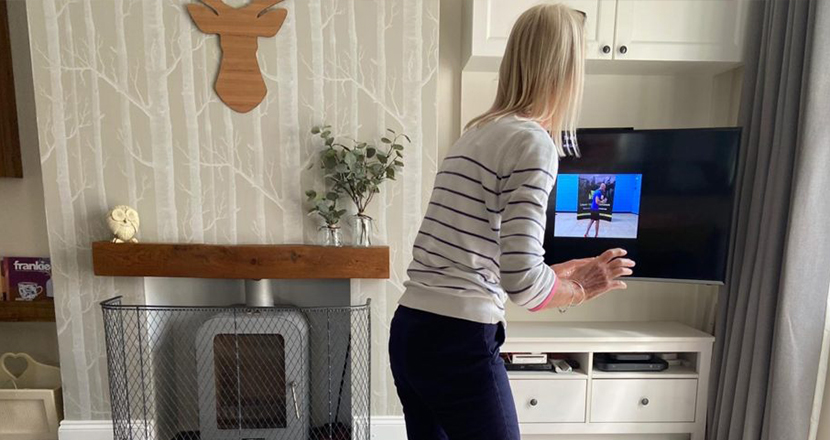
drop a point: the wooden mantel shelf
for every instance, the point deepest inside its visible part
(239, 261)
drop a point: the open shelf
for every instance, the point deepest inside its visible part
(239, 261)
(27, 311)
(580, 373)
(673, 372)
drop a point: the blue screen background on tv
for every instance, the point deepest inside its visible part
(626, 196)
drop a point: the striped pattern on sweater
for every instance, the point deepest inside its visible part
(480, 243)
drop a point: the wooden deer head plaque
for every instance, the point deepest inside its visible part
(239, 84)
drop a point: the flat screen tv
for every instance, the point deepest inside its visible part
(666, 196)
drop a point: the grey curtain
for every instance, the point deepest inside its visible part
(771, 317)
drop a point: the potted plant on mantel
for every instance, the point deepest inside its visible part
(325, 205)
(357, 171)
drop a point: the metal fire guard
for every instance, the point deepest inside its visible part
(238, 373)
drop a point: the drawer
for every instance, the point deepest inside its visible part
(550, 401)
(643, 400)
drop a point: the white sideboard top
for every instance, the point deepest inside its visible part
(593, 332)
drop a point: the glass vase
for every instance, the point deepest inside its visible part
(331, 235)
(362, 230)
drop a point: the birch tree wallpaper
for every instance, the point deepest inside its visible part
(127, 114)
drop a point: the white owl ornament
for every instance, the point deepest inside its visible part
(123, 222)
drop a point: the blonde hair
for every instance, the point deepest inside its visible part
(541, 74)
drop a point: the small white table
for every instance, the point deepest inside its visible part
(589, 401)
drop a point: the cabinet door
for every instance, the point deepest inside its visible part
(550, 401)
(493, 20)
(680, 30)
(643, 401)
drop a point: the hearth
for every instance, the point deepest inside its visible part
(238, 373)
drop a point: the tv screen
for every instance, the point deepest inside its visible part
(666, 196)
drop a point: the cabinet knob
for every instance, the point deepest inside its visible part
(623, 49)
(606, 49)
(644, 401)
(534, 402)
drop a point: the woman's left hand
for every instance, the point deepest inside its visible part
(566, 269)
(596, 276)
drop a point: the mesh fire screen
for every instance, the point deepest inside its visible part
(238, 373)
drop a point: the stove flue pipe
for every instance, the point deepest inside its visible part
(258, 293)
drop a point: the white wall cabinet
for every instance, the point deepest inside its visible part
(490, 22)
(680, 30)
(642, 30)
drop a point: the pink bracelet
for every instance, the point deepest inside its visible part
(549, 298)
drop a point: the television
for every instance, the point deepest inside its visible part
(666, 196)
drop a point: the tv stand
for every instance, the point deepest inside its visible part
(589, 401)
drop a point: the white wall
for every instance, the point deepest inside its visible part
(639, 101)
(824, 417)
(823, 429)
(690, 304)
(22, 215)
(449, 75)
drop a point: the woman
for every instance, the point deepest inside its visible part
(480, 243)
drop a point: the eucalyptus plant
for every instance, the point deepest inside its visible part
(357, 170)
(325, 205)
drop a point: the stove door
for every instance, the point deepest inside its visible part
(249, 374)
(253, 376)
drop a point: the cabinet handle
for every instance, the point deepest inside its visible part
(606, 49)
(623, 49)
(533, 402)
(644, 401)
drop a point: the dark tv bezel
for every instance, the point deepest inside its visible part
(732, 195)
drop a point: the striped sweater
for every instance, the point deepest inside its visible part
(480, 242)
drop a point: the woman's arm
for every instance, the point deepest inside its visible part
(525, 277)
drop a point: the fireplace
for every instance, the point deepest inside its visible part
(238, 373)
(253, 374)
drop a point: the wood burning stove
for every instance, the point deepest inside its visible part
(253, 376)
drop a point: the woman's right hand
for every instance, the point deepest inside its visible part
(596, 275)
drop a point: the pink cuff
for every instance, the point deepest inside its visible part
(550, 297)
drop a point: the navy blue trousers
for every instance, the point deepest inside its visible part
(450, 378)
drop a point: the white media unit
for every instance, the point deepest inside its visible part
(589, 401)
